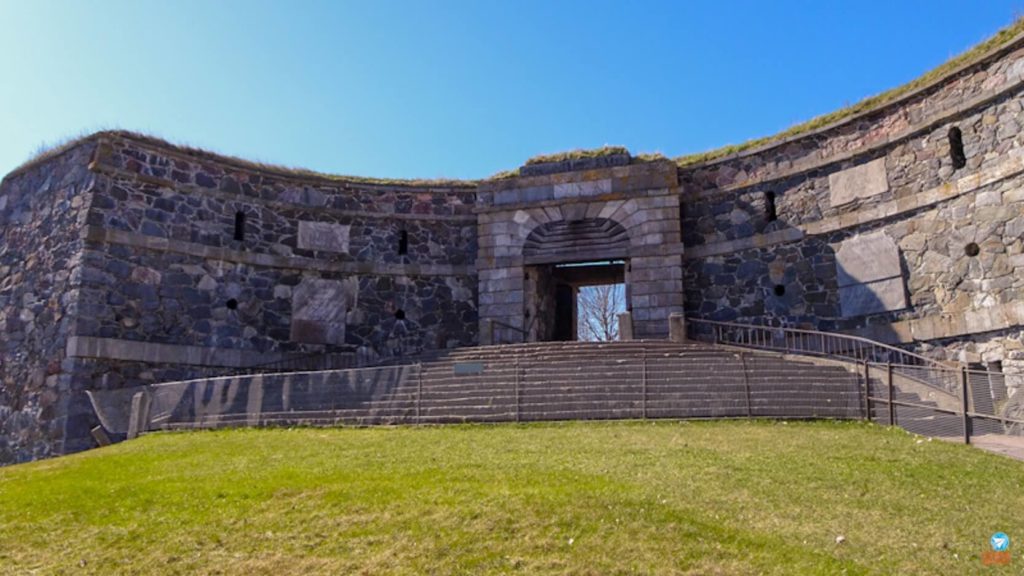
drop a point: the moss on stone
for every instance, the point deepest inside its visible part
(577, 154)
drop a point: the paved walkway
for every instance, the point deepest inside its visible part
(1012, 446)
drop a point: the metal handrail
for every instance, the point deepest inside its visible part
(828, 337)
(939, 374)
(524, 332)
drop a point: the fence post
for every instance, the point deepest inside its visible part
(138, 420)
(892, 408)
(419, 389)
(966, 406)
(867, 391)
(643, 384)
(516, 384)
(746, 384)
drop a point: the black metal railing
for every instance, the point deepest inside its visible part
(497, 336)
(927, 371)
(924, 395)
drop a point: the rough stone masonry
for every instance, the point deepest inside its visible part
(126, 260)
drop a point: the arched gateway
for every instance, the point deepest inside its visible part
(565, 225)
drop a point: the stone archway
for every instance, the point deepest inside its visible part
(590, 239)
(559, 259)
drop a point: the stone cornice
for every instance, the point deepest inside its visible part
(1011, 165)
(940, 326)
(160, 353)
(97, 235)
(891, 140)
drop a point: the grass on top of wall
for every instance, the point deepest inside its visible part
(973, 54)
(46, 152)
(726, 497)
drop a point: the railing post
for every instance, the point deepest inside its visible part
(892, 407)
(966, 406)
(625, 326)
(643, 384)
(487, 332)
(677, 327)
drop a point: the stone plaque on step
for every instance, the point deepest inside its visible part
(468, 368)
(323, 236)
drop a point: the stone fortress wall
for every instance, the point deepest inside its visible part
(903, 224)
(172, 266)
(125, 260)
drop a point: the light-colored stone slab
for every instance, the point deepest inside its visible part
(579, 189)
(467, 368)
(862, 181)
(867, 257)
(323, 236)
(873, 297)
(320, 308)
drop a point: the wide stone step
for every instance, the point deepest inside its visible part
(554, 381)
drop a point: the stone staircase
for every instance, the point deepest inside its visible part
(524, 382)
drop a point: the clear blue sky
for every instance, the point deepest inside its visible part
(457, 89)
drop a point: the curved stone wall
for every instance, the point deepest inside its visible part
(181, 265)
(879, 228)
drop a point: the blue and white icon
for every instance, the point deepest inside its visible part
(1000, 541)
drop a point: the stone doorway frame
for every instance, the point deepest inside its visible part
(642, 199)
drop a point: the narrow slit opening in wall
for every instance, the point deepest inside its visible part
(403, 243)
(956, 148)
(770, 212)
(239, 225)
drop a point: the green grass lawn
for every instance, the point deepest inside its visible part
(725, 497)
